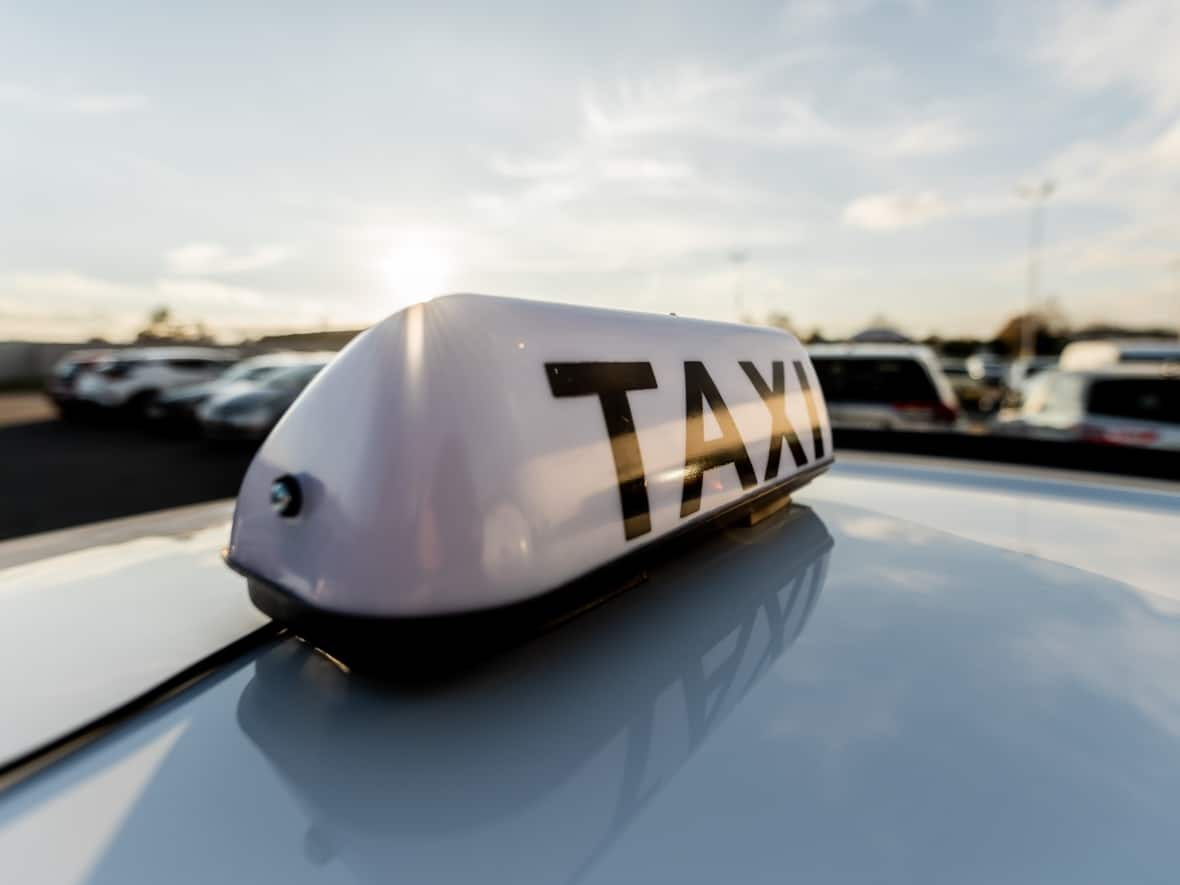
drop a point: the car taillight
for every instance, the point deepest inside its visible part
(1117, 436)
(928, 411)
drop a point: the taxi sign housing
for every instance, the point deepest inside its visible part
(473, 454)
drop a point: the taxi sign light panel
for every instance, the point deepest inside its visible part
(474, 452)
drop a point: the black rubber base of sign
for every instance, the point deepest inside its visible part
(426, 647)
(1087, 457)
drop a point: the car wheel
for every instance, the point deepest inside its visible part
(138, 405)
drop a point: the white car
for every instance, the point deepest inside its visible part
(133, 378)
(1025, 368)
(62, 384)
(1118, 405)
(884, 387)
(1098, 354)
(247, 410)
(896, 671)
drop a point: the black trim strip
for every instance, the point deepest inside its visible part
(426, 646)
(1089, 457)
(26, 765)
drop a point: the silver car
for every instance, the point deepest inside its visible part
(1119, 405)
(884, 387)
(248, 410)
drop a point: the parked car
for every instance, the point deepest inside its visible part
(61, 385)
(249, 410)
(990, 371)
(1098, 354)
(1025, 368)
(885, 387)
(176, 409)
(1118, 405)
(133, 378)
(967, 390)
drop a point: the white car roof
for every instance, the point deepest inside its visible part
(1093, 354)
(873, 351)
(1126, 370)
(174, 353)
(763, 702)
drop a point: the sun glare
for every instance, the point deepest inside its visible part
(416, 269)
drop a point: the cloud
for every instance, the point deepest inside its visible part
(886, 212)
(85, 104)
(103, 105)
(1134, 43)
(84, 305)
(806, 17)
(211, 259)
(209, 294)
(928, 137)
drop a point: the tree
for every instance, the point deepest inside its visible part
(779, 320)
(1050, 334)
(161, 328)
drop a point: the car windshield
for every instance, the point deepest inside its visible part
(248, 371)
(294, 377)
(865, 380)
(1139, 399)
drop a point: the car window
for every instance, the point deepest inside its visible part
(249, 372)
(293, 378)
(1143, 399)
(1149, 356)
(874, 380)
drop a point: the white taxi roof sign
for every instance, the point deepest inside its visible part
(472, 453)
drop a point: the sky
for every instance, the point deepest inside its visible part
(838, 161)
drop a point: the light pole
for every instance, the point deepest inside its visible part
(1036, 194)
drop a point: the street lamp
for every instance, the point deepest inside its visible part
(1036, 194)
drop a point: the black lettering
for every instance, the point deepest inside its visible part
(817, 434)
(775, 400)
(701, 455)
(610, 383)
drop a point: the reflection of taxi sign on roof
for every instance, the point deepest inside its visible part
(477, 453)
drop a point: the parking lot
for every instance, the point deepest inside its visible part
(56, 474)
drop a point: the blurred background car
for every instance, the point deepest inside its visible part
(990, 372)
(1096, 354)
(1137, 405)
(248, 411)
(1025, 368)
(63, 379)
(967, 390)
(1020, 375)
(133, 378)
(176, 410)
(884, 387)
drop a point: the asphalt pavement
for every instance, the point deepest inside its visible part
(55, 474)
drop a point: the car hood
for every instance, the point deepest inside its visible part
(845, 692)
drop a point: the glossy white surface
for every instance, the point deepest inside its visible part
(1128, 535)
(446, 465)
(904, 705)
(108, 614)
